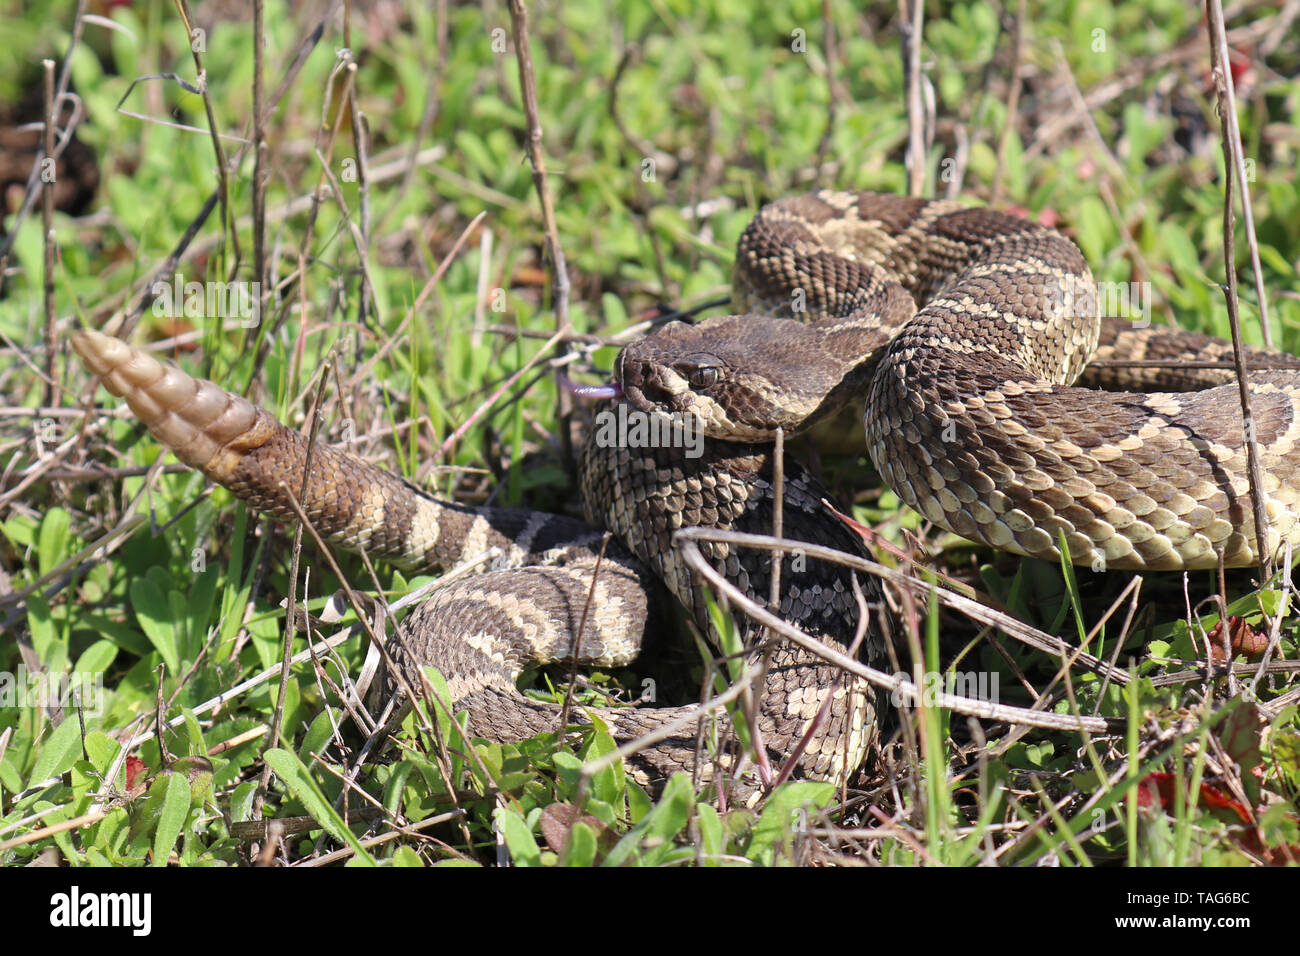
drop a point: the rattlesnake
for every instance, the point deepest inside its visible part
(969, 418)
(970, 413)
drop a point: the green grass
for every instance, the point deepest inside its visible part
(723, 107)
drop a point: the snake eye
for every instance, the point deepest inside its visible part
(701, 370)
(704, 377)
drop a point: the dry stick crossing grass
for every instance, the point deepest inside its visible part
(1013, 101)
(555, 251)
(47, 222)
(911, 20)
(1233, 162)
(689, 539)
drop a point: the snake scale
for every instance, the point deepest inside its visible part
(961, 328)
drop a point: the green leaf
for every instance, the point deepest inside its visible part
(197, 744)
(45, 635)
(96, 658)
(444, 720)
(1039, 754)
(171, 818)
(198, 606)
(660, 825)
(241, 802)
(1271, 258)
(52, 547)
(152, 611)
(61, 749)
(519, 838)
(781, 811)
(638, 802)
(608, 783)
(21, 530)
(297, 779)
(198, 773)
(712, 839)
(9, 776)
(318, 734)
(102, 750)
(582, 845)
(405, 856)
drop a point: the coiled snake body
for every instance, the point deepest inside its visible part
(962, 327)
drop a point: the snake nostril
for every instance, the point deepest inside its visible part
(637, 374)
(643, 386)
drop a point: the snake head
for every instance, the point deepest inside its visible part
(743, 376)
(669, 371)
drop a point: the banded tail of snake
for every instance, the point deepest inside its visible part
(982, 322)
(557, 576)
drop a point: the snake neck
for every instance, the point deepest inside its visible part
(645, 493)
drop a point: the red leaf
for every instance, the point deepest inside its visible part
(1242, 639)
(135, 772)
(1160, 787)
